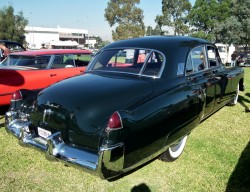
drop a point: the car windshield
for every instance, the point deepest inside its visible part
(39, 62)
(133, 61)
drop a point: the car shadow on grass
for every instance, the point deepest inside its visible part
(239, 180)
(243, 101)
(141, 188)
(1, 122)
(4, 109)
(248, 95)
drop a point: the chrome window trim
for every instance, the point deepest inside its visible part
(89, 69)
(218, 60)
(205, 54)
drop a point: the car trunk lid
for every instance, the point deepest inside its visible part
(81, 106)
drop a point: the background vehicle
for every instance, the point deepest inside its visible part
(39, 69)
(120, 114)
(244, 61)
(12, 46)
(225, 52)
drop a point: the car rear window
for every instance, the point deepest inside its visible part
(13, 47)
(70, 60)
(39, 62)
(133, 61)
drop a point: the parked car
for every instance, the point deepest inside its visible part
(39, 69)
(12, 46)
(244, 61)
(118, 115)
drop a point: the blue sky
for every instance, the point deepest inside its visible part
(84, 14)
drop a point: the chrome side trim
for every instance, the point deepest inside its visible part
(110, 148)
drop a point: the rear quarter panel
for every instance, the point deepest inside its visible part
(237, 76)
(155, 123)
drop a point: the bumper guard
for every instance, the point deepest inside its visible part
(56, 149)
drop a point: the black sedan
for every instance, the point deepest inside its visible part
(139, 99)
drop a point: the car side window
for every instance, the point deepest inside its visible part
(82, 60)
(68, 61)
(154, 63)
(212, 56)
(189, 65)
(63, 61)
(57, 62)
(42, 62)
(196, 60)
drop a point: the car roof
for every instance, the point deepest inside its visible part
(175, 49)
(161, 43)
(7, 42)
(51, 52)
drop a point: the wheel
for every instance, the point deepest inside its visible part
(235, 98)
(174, 151)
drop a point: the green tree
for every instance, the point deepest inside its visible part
(156, 31)
(12, 26)
(206, 15)
(236, 28)
(127, 16)
(104, 43)
(174, 14)
(98, 41)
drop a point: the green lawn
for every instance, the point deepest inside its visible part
(216, 158)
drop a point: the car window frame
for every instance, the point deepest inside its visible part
(50, 66)
(205, 59)
(12, 45)
(98, 54)
(217, 57)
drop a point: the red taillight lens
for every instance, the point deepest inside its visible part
(115, 121)
(16, 96)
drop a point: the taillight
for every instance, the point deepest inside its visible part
(115, 121)
(16, 96)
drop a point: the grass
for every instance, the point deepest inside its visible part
(216, 158)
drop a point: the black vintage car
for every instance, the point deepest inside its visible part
(127, 108)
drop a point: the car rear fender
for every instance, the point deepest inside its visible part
(149, 124)
(112, 150)
(25, 104)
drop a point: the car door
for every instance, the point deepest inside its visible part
(221, 77)
(200, 75)
(62, 67)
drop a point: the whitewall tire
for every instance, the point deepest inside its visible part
(174, 151)
(235, 98)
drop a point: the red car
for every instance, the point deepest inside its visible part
(38, 69)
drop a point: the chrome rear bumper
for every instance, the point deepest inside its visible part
(56, 149)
